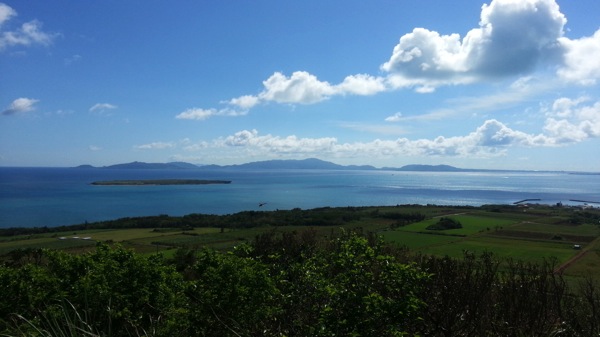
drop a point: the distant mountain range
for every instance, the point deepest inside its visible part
(152, 166)
(291, 164)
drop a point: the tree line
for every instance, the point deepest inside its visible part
(323, 216)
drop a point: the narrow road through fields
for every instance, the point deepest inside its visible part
(583, 252)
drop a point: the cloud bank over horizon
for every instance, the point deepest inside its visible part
(568, 121)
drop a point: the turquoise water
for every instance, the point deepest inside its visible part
(63, 196)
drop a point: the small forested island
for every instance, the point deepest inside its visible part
(159, 182)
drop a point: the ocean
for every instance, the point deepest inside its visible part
(63, 196)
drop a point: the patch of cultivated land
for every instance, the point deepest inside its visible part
(534, 234)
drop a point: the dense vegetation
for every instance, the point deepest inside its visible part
(320, 272)
(325, 216)
(445, 223)
(290, 284)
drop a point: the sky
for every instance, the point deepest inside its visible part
(502, 84)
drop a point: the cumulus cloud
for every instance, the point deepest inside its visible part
(301, 87)
(570, 120)
(492, 138)
(513, 38)
(581, 59)
(102, 108)
(197, 114)
(567, 121)
(20, 105)
(289, 144)
(305, 88)
(361, 84)
(30, 33)
(245, 102)
(6, 12)
(202, 114)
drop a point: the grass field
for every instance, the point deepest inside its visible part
(532, 234)
(471, 224)
(418, 241)
(528, 236)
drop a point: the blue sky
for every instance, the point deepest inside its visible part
(510, 84)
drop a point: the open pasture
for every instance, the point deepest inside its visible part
(506, 248)
(418, 241)
(512, 232)
(582, 230)
(508, 235)
(588, 263)
(471, 224)
(49, 243)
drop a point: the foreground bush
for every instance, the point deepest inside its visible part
(114, 290)
(290, 284)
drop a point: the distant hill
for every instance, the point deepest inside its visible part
(304, 164)
(287, 164)
(142, 165)
(430, 168)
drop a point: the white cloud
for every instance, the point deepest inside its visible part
(197, 114)
(563, 107)
(6, 12)
(304, 88)
(492, 138)
(395, 117)
(155, 146)
(581, 59)
(197, 146)
(570, 121)
(202, 114)
(269, 143)
(94, 148)
(361, 84)
(20, 105)
(29, 33)
(513, 38)
(102, 108)
(301, 88)
(245, 102)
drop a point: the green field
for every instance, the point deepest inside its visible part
(471, 224)
(533, 234)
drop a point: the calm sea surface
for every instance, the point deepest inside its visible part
(63, 196)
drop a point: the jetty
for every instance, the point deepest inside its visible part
(585, 201)
(524, 200)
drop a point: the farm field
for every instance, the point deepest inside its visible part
(545, 234)
(529, 234)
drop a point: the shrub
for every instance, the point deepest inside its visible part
(445, 223)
